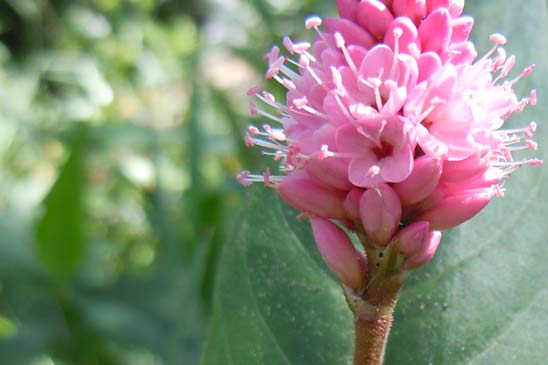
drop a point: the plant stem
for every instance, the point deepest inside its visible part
(371, 335)
(373, 308)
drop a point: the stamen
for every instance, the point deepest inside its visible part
(272, 56)
(397, 32)
(376, 83)
(249, 140)
(252, 109)
(507, 67)
(255, 111)
(268, 99)
(254, 90)
(373, 171)
(524, 73)
(313, 22)
(531, 144)
(498, 191)
(267, 144)
(341, 45)
(342, 107)
(242, 178)
(533, 97)
(304, 64)
(324, 152)
(289, 72)
(275, 67)
(499, 61)
(299, 48)
(498, 39)
(275, 134)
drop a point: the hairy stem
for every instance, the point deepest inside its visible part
(371, 335)
(373, 308)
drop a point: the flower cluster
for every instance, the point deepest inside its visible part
(391, 127)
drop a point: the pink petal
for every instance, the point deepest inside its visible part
(350, 31)
(435, 31)
(462, 27)
(429, 63)
(358, 171)
(374, 16)
(409, 36)
(397, 167)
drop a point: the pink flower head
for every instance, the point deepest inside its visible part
(391, 125)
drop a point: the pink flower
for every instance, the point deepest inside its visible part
(379, 149)
(391, 125)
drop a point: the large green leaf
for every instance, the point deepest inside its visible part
(274, 304)
(483, 300)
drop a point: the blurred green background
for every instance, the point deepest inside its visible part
(121, 128)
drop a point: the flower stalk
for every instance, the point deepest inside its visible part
(373, 307)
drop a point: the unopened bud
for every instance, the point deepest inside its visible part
(331, 171)
(426, 254)
(463, 170)
(421, 182)
(308, 195)
(347, 9)
(412, 238)
(457, 208)
(338, 252)
(380, 213)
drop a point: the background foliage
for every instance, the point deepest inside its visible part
(120, 135)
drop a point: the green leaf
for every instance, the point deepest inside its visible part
(483, 299)
(59, 234)
(274, 303)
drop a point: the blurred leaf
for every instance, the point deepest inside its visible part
(274, 304)
(59, 235)
(7, 328)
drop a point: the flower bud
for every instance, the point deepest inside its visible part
(421, 182)
(435, 31)
(380, 213)
(338, 252)
(347, 9)
(331, 171)
(463, 170)
(427, 252)
(412, 238)
(308, 195)
(462, 27)
(374, 16)
(490, 178)
(457, 208)
(413, 9)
